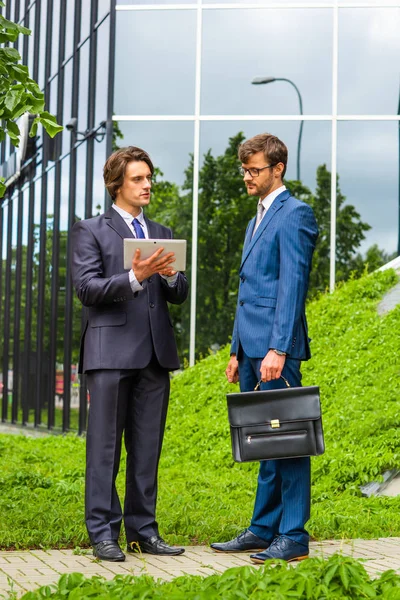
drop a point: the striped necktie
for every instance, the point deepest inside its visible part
(260, 212)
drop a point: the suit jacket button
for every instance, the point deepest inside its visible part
(241, 303)
(152, 305)
(243, 278)
(149, 280)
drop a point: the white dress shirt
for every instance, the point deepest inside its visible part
(268, 200)
(127, 217)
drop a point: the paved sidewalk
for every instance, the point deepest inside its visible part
(28, 570)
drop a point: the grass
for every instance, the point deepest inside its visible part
(203, 494)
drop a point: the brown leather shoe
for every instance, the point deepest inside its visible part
(154, 545)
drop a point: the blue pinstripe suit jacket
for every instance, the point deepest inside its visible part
(273, 285)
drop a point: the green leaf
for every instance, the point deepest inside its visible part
(8, 37)
(10, 25)
(13, 98)
(34, 127)
(33, 87)
(50, 126)
(20, 72)
(49, 123)
(2, 187)
(10, 53)
(33, 105)
(13, 127)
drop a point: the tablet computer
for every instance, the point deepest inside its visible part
(148, 247)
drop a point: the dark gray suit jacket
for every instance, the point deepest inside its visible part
(122, 328)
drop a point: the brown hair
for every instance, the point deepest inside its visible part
(114, 169)
(274, 150)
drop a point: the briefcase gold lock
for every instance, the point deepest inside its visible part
(275, 423)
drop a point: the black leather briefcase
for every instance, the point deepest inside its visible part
(270, 424)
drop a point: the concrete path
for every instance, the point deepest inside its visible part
(28, 570)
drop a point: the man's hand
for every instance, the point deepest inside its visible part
(272, 366)
(152, 265)
(168, 272)
(232, 370)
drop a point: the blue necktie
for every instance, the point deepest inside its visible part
(138, 229)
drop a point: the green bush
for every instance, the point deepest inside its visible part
(203, 494)
(338, 578)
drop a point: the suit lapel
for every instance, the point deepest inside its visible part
(271, 212)
(151, 228)
(116, 222)
(249, 230)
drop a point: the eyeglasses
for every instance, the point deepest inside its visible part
(253, 172)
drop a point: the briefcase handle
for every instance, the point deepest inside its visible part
(281, 377)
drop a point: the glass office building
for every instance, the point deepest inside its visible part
(176, 79)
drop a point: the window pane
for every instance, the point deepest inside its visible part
(42, 43)
(83, 87)
(98, 182)
(374, 197)
(155, 63)
(31, 43)
(85, 19)
(69, 28)
(103, 8)
(80, 181)
(66, 135)
(228, 68)
(62, 268)
(225, 210)
(169, 144)
(103, 51)
(369, 50)
(55, 38)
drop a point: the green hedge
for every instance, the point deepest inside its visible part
(203, 494)
(338, 578)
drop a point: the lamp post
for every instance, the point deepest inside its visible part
(264, 80)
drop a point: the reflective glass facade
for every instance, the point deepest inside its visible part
(330, 91)
(176, 79)
(68, 53)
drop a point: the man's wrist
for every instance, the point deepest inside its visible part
(278, 352)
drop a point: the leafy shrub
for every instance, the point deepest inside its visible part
(338, 578)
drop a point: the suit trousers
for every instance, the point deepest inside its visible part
(133, 402)
(282, 505)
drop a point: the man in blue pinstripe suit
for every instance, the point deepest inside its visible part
(270, 339)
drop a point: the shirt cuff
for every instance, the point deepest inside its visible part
(135, 285)
(171, 280)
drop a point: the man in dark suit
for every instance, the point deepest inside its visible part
(127, 351)
(270, 339)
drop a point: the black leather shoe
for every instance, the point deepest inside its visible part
(244, 542)
(154, 545)
(108, 550)
(282, 548)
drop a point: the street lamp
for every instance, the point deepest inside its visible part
(264, 80)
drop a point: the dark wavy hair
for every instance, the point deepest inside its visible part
(114, 169)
